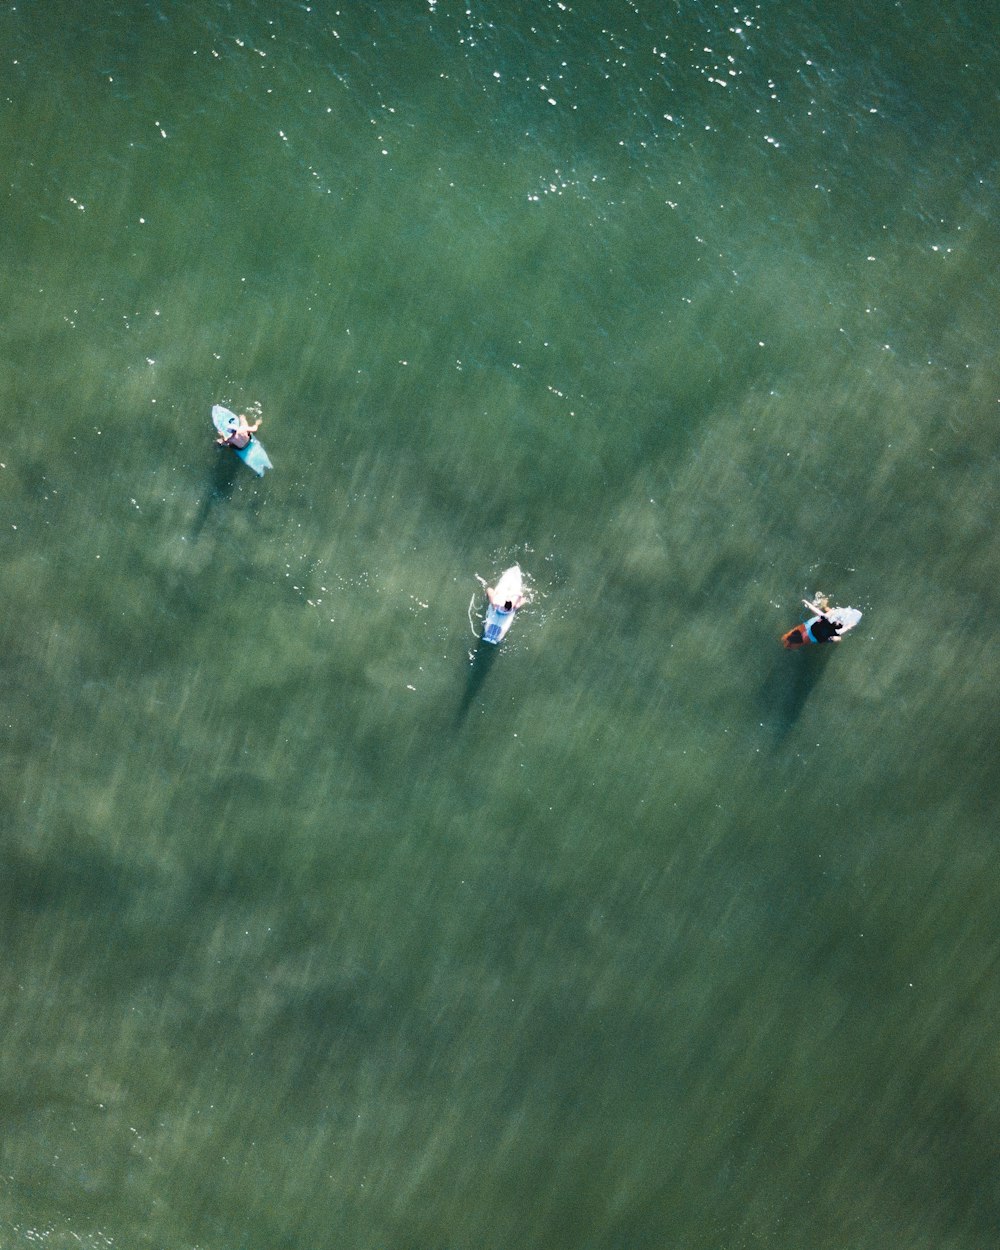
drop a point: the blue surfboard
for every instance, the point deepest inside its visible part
(253, 454)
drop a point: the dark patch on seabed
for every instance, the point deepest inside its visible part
(789, 684)
(480, 665)
(222, 480)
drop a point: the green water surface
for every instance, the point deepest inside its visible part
(323, 927)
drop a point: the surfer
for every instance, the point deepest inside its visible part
(504, 599)
(505, 605)
(827, 625)
(240, 435)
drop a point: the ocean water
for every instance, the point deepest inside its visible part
(321, 925)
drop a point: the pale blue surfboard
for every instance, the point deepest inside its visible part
(253, 454)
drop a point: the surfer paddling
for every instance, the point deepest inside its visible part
(504, 605)
(504, 600)
(826, 625)
(240, 434)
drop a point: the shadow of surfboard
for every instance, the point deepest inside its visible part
(221, 483)
(789, 685)
(483, 659)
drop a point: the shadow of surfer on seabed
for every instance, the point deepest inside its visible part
(481, 660)
(219, 487)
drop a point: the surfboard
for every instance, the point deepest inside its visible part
(253, 454)
(846, 618)
(801, 635)
(509, 588)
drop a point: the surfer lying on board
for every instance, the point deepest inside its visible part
(241, 435)
(828, 624)
(507, 605)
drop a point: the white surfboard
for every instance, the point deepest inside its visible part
(846, 618)
(508, 589)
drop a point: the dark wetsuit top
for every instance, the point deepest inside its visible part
(823, 629)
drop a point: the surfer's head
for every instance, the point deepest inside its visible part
(508, 606)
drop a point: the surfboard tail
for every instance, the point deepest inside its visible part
(255, 457)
